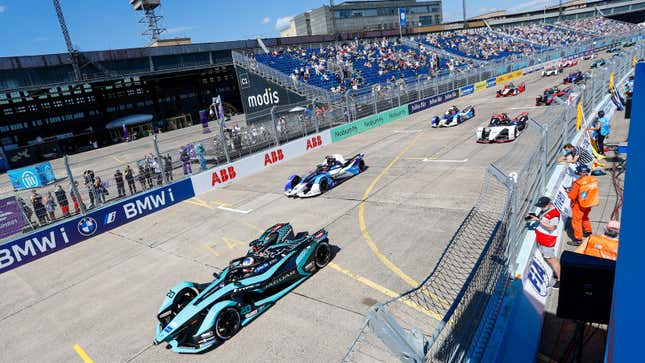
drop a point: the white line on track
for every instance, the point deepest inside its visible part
(526, 107)
(444, 161)
(406, 131)
(234, 210)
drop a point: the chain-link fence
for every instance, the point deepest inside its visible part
(449, 317)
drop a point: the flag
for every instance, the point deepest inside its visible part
(580, 118)
(126, 134)
(611, 81)
(634, 61)
(402, 17)
(220, 107)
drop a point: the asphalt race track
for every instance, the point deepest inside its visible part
(100, 298)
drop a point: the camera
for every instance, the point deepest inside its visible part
(530, 216)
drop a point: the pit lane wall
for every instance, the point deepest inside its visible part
(519, 325)
(58, 236)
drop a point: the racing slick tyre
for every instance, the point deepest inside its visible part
(296, 179)
(228, 323)
(361, 166)
(323, 186)
(322, 255)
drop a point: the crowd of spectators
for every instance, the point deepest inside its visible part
(478, 43)
(364, 64)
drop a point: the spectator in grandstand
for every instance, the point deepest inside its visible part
(39, 207)
(129, 177)
(120, 183)
(61, 197)
(76, 199)
(141, 176)
(168, 168)
(603, 246)
(574, 156)
(50, 206)
(546, 234)
(583, 196)
(601, 129)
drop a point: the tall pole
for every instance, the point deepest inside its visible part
(333, 16)
(463, 6)
(73, 54)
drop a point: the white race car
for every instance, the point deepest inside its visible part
(454, 117)
(551, 71)
(502, 128)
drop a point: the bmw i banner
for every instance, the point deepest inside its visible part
(34, 176)
(402, 17)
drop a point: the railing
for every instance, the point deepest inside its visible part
(450, 315)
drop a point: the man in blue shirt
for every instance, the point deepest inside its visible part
(601, 130)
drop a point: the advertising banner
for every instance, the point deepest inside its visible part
(509, 76)
(34, 176)
(33, 246)
(480, 86)
(359, 126)
(466, 90)
(225, 174)
(426, 103)
(259, 94)
(537, 279)
(491, 82)
(11, 218)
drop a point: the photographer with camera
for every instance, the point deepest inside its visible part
(546, 233)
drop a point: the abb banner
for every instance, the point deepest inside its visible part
(225, 174)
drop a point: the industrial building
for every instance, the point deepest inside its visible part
(352, 16)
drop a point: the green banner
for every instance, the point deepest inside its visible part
(359, 126)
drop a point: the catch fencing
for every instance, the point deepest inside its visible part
(450, 316)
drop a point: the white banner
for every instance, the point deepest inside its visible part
(225, 174)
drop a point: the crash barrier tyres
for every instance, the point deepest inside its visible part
(14, 253)
(66, 233)
(524, 305)
(456, 312)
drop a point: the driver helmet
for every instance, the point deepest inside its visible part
(248, 261)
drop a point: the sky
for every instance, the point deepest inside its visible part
(30, 27)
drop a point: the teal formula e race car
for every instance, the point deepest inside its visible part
(194, 317)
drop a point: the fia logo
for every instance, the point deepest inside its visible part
(87, 226)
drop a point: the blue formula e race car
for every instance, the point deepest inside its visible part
(453, 117)
(334, 171)
(194, 317)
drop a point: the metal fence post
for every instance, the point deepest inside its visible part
(315, 114)
(160, 164)
(545, 151)
(375, 97)
(81, 205)
(349, 110)
(275, 127)
(398, 95)
(223, 138)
